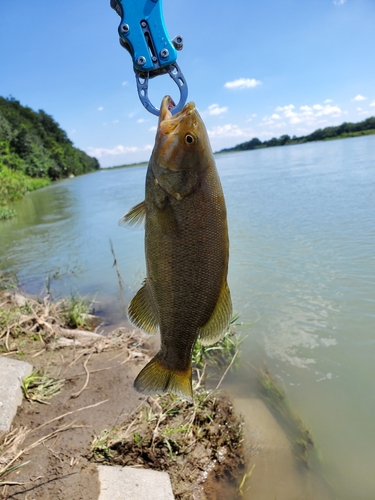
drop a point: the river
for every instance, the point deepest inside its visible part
(302, 274)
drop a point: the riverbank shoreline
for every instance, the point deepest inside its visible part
(13, 187)
(85, 389)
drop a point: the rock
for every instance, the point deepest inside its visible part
(19, 299)
(11, 374)
(91, 320)
(118, 483)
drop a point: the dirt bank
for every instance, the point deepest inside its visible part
(94, 378)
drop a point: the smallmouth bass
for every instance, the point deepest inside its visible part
(185, 294)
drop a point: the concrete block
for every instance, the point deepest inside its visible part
(11, 373)
(128, 483)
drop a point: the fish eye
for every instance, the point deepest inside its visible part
(189, 139)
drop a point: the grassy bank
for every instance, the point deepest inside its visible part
(352, 134)
(13, 186)
(34, 151)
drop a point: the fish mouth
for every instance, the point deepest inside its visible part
(170, 123)
(170, 136)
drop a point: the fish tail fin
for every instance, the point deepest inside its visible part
(156, 377)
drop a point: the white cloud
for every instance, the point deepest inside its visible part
(273, 121)
(124, 83)
(359, 109)
(140, 120)
(307, 110)
(100, 108)
(327, 101)
(285, 108)
(153, 129)
(373, 103)
(329, 110)
(339, 2)
(117, 150)
(215, 109)
(116, 121)
(242, 83)
(307, 115)
(359, 97)
(228, 130)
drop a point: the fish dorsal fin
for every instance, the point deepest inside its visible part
(141, 311)
(219, 321)
(135, 216)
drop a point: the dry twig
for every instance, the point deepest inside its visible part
(76, 394)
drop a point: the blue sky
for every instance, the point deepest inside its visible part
(254, 69)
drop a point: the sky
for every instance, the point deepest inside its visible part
(253, 68)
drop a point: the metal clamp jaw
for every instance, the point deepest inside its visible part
(143, 34)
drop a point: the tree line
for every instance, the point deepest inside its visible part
(365, 127)
(33, 143)
(34, 151)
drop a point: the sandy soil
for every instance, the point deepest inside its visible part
(59, 468)
(54, 457)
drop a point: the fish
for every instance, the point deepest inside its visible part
(185, 294)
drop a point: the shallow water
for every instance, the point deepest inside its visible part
(302, 272)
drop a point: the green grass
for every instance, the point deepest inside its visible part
(241, 489)
(6, 212)
(13, 186)
(75, 311)
(40, 387)
(101, 444)
(221, 353)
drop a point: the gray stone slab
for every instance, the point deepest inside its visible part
(128, 483)
(11, 373)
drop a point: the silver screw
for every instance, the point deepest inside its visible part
(178, 42)
(164, 53)
(154, 59)
(141, 61)
(125, 28)
(143, 24)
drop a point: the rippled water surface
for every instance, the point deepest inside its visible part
(302, 272)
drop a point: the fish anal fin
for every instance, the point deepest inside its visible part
(219, 321)
(141, 311)
(157, 378)
(135, 217)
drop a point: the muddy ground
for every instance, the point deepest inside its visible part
(60, 468)
(97, 394)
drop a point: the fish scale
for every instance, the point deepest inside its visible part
(185, 293)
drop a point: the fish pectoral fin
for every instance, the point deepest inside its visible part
(157, 378)
(135, 217)
(218, 324)
(141, 311)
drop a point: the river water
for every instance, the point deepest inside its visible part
(302, 273)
